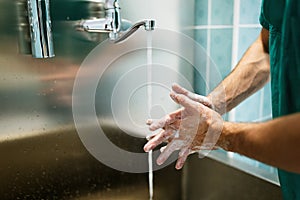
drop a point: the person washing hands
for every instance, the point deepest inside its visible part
(199, 125)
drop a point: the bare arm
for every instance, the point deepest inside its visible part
(250, 74)
(276, 144)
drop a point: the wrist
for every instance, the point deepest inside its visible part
(217, 104)
(232, 136)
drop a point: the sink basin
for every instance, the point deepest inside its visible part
(55, 165)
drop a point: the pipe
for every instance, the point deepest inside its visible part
(40, 28)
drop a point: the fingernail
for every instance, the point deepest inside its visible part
(149, 121)
(148, 137)
(159, 161)
(175, 84)
(146, 148)
(149, 147)
(173, 96)
(178, 166)
(162, 149)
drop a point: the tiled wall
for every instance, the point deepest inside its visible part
(225, 29)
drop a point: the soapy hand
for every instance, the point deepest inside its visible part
(192, 128)
(171, 121)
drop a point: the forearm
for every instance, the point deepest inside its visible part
(276, 142)
(250, 74)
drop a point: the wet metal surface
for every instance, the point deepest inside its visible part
(41, 154)
(57, 166)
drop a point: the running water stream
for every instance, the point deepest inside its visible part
(149, 95)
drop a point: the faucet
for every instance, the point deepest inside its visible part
(117, 28)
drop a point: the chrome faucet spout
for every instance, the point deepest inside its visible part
(148, 25)
(113, 24)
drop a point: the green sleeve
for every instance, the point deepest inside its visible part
(262, 18)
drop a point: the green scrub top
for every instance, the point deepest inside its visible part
(282, 19)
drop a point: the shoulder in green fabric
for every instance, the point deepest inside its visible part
(290, 60)
(273, 12)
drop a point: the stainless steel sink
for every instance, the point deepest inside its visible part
(41, 155)
(55, 165)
